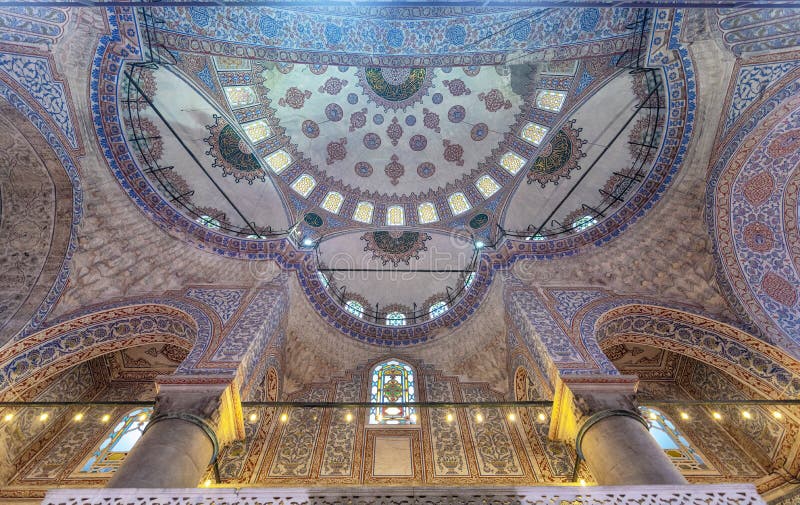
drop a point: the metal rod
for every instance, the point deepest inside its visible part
(599, 157)
(189, 151)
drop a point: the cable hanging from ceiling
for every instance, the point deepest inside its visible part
(154, 56)
(338, 291)
(632, 59)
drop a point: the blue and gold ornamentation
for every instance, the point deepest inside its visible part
(395, 247)
(559, 157)
(395, 88)
(232, 153)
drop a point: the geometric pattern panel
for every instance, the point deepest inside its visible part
(35, 76)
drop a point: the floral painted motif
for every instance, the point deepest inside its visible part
(559, 157)
(417, 142)
(336, 151)
(395, 88)
(457, 87)
(358, 119)
(494, 100)
(779, 289)
(453, 152)
(363, 169)
(333, 86)
(232, 153)
(394, 131)
(431, 120)
(394, 170)
(426, 169)
(294, 98)
(395, 247)
(758, 189)
(758, 237)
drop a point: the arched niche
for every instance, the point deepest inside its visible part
(36, 214)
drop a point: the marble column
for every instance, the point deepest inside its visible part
(600, 417)
(190, 423)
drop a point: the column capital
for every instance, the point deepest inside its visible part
(217, 405)
(578, 397)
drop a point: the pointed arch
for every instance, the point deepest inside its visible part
(103, 329)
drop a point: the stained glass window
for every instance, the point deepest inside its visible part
(208, 222)
(240, 96)
(427, 213)
(458, 203)
(324, 280)
(583, 223)
(304, 185)
(512, 162)
(437, 309)
(112, 451)
(487, 186)
(278, 161)
(257, 130)
(363, 212)
(395, 216)
(675, 445)
(395, 319)
(468, 279)
(354, 308)
(333, 202)
(550, 100)
(534, 133)
(392, 382)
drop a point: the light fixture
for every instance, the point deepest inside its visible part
(716, 415)
(478, 417)
(449, 417)
(684, 416)
(8, 417)
(582, 482)
(207, 483)
(479, 244)
(106, 418)
(348, 417)
(284, 417)
(542, 418)
(777, 414)
(512, 417)
(78, 417)
(746, 414)
(43, 417)
(307, 242)
(253, 417)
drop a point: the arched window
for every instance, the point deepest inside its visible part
(112, 451)
(354, 308)
(395, 319)
(583, 223)
(437, 309)
(208, 222)
(670, 439)
(468, 279)
(392, 382)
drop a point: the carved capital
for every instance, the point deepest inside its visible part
(579, 397)
(217, 405)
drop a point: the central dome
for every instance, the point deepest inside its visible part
(417, 129)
